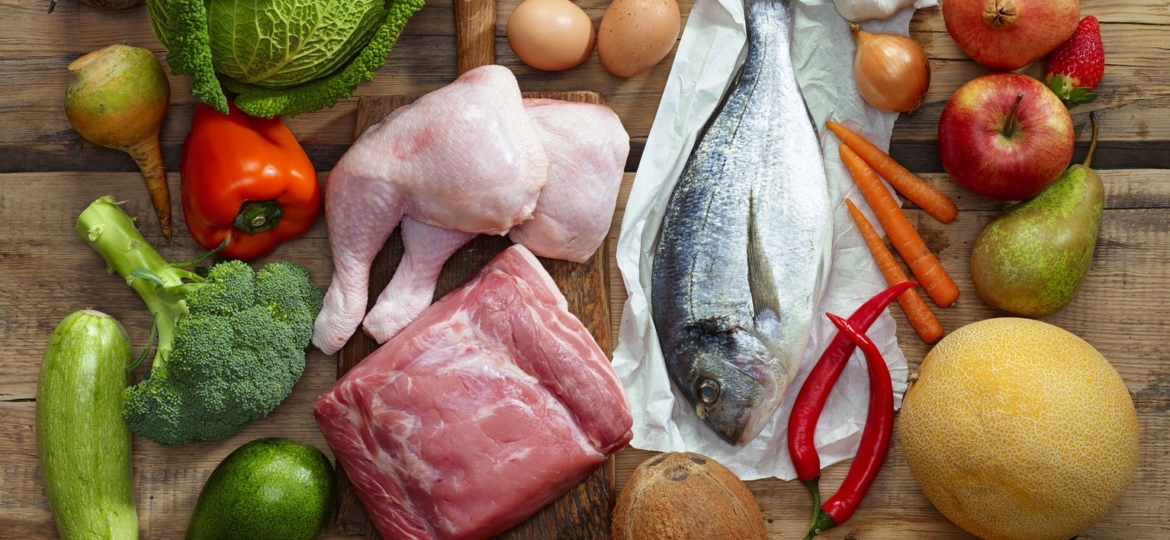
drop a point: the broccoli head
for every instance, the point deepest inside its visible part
(231, 343)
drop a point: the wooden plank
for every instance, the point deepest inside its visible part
(1133, 109)
(583, 512)
(49, 272)
(1121, 310)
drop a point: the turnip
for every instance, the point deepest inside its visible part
(117, 98)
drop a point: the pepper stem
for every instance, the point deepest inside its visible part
(814, 487)
(1010, 125)
(258, 216)
(822, 523)
(1093, 142)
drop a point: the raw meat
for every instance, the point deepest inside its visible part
(586, 147)
(491, 404)
(410, 291)
(465, 157)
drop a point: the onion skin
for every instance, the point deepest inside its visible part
(891, 71)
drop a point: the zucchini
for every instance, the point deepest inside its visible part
(82, 442)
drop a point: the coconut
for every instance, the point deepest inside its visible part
(685, 496)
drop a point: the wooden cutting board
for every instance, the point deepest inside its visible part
(584, 512)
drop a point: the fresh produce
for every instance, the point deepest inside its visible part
(1032, 258)
(1075, 68)
(1005, 136)
(925, 266)
(635, 35)
(117, 98)
(1010, 34)
(745, 246)
(1018, 430)
(509, 402)
(231, 342)
(102, 4)
(82, 443)
(267, 489)
(864, 10)
(931, 200)
(810, 402)
(875, 437)
(246, 179)
(552, 35)
(917, 312)
(280, 57)
(548, 179)
(891, 70)
(686, 496)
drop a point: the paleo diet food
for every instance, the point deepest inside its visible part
(485, 406)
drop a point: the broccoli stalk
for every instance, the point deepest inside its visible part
(231, 344)
(111, 233)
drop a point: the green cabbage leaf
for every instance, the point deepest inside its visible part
(282, 57)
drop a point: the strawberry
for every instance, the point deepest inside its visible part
(1076, 66)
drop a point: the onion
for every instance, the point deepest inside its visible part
(891, 71)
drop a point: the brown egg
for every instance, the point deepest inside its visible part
(552, 35)
(637, 34)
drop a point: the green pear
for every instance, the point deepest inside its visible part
(1031, 259)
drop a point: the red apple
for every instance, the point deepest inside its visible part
(1010, 34)
(1005, 136)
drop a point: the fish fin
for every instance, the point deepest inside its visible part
(761, 282)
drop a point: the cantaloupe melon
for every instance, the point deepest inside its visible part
(1019, 430)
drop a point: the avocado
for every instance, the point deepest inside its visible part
(267, 489)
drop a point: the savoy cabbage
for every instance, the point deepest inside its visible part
(280, 56)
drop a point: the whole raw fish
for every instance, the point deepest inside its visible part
(744, 250)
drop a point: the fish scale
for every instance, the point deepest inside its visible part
(744, 250)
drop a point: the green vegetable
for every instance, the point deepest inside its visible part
(231, 343)
(280, 57)
(267, 489)
(82, 443)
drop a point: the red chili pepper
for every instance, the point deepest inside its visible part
(247, 178)
(806, 411)
(875, 438)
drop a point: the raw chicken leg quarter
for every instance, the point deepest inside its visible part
(465, 157)
(461, 161)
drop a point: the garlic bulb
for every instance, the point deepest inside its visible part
(864, 10)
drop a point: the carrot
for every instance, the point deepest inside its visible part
(922, 262)
(919, 314)
(907, 183)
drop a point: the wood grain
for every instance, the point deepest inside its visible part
(48, 272)
(1122, 310)
(583, 512)
(1134, 109)
(475, 32)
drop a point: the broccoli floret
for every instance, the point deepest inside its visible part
(231, 344)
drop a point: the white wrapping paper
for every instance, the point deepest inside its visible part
(712, 47)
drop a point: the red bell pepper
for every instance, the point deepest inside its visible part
(248, 178)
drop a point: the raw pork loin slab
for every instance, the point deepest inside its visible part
(491, 404)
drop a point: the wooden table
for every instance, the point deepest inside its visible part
(47, 175)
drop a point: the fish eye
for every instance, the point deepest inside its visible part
(709, 391)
